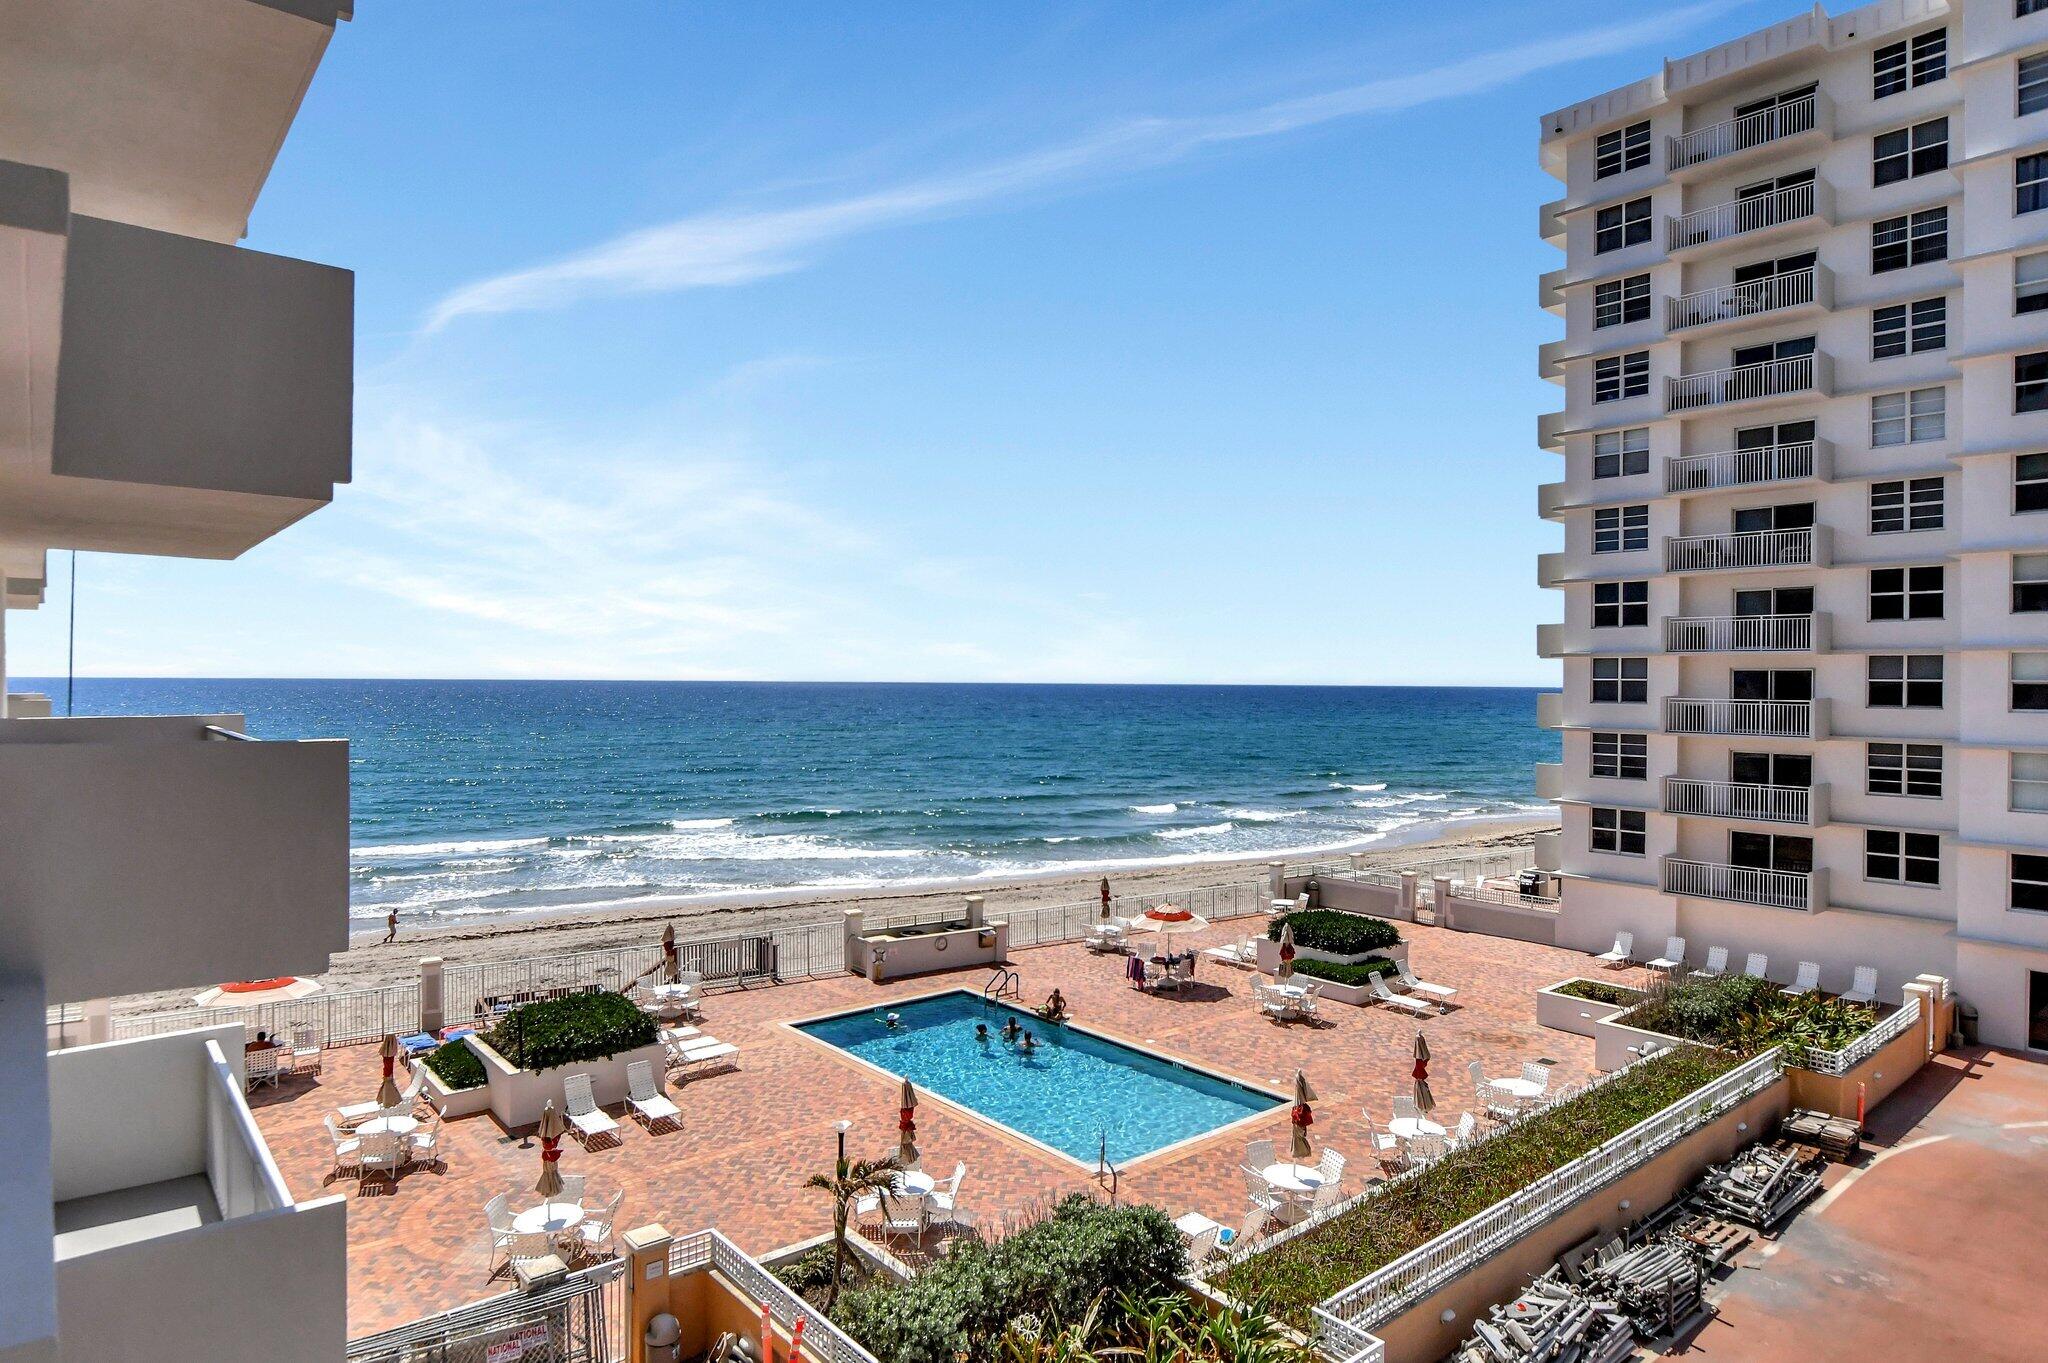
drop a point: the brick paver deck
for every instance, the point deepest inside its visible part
(751, 1136)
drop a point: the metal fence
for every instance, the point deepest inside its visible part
(1346, 1316)
(581, 1320)
(342, 1018)
(709, 1249)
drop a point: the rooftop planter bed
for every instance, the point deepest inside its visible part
(576, 1027)
(1747, 1016)
(1342, 972)
(1054, 1271)
(1580, 1006)
(1334, 933)
(457, 1084)
(1297, 1273)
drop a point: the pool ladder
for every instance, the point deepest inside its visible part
(1003, 984)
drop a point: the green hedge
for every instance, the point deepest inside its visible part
(1342, 973)
(577, 1027)
(1595, 991)
(457, 1065)
(1749, 1015)
(1340, 934)
(1295, 1275)
(1054, 1270)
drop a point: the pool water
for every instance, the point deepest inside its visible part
(1072, 1092)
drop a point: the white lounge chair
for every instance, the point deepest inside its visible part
(701, 1050)
(347, 1149)
(1864, 989)
(1758, 965)
(1204, 1236)
(1806, 981)
(1673, 957)
(583, 1111)
(353, 1115)
(1406, 1002)
(1244, 955)
(260, 1067)
(1716, 966)
(645, 1097)
(1623, 950)
(1415, 986)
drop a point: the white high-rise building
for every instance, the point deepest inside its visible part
(1805, 503)
(162, 391)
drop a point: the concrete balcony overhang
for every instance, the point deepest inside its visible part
(161, 394)
(1806, 806)
(24, 577)
(165, 113)
(228, 857)
(1550, 640)
(1550, 710)
(1549, 780)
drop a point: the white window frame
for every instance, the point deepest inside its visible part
(1631, 216)
(2013, 878)
(1617, 378)
(1905, 765)
(1902, 857)
(1916, 504)
(2036, 783)
(2023, 479)
(1913, 417)
(1618, 757)
(2030, 282)
(1910, 229)
(1628, 449)
(1631, 596)
(1911, 595)
(1622, 826)
(2029, 570)
(1622, 150)
(2014, 667)
(1909, 63)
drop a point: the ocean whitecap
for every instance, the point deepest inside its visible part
(1207, 828)
(1155, 809)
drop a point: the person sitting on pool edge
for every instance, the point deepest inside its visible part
(1010, 1030)
(1055, 1009)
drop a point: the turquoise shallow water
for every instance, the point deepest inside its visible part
(493, 798)
(1073, 1092)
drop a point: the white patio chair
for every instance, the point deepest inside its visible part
(1202, 1234)
(525, 1246)
(1716, 966)
(1386, 1146)
(946, 1197)
(1294, 905)
(1258, 1154)
(905, 1214)
(1415, 986)
(572, 1188)
(1534, 1072)
(306, 1051)
(1325, 1197)
(353, 1115)
(1404, 1107)
(1864, 989)
(1806, 981)
(1673, 957)
(498, 1213)
(1262, 1194)
(593, 1235)
(1407, 1003)
(582, 1109)
(347, 1149)
(260, 1067)
(1623, 950)
(1758, 965)
(1425, 1147)
(1493, 1100)
(423, 1142)
(382, 1153)
(1311, 995)
(1464, 1131)
(1273, 1003)
(1331, 1168)
(645, 1097)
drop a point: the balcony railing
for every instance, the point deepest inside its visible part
(1801, 548)
(1740, 134)
(1743, 382)
(1733, 800)
(1738, 884)
(1740, 718)
(1718, 222)
(1743, 468)
(1730, 301)
(1740, 633)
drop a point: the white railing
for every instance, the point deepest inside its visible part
(1737, 800)
(1888, 1029)
(709, 1249)
(1741, 382)
(1739, 468)
(1738, 884)
(1379, 1296)
(341, 1018)
(1729, 301)
(1732, 219)
(1739, 134)
(1750, 549)
(1739, 718)
(1738, 633)
(239, 1166)
(1487, 894)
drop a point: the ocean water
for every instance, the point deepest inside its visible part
(478, 798)
(1076, 1092)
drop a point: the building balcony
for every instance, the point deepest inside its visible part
(1551, 568)
(227, 856)
(1745, 884)
(1803, 805)
(1751, 384)
(1550, 640)
(1792, 463)
(1812, 288)
(1807, 547)
(1545, 850)
(1746, 633)
(1731, 141)
(1745, 718)
(1549, 498)
(164, 394)
(1740, 221)
(1550, 710)
(1550, 429)
(1549, 780)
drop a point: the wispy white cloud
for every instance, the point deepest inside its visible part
(727, 247)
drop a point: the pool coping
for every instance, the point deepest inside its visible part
(797, 1025)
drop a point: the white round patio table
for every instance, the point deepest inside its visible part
(915, 1182)
(1518, 1087)
(549, 1218)
(1293, 1178)
(397, 1126)
(1292, 991)
(1408, 1128)
(679, 992)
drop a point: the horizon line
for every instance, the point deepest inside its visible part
(799, 681)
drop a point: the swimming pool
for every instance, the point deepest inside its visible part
(1072, 1092)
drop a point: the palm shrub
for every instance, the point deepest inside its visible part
(848, 1183)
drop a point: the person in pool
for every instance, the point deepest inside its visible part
(1011, 1030)
(892, 1022)
(1030, 1043)
(981, 1032)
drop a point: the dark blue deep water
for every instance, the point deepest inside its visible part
(504, 797)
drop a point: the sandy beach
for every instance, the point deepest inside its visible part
(369, 962)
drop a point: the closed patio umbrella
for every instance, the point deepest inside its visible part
(906, 1125)
(1425, 1101)
(387, 1092)
(1286, 970)
(254, 993)
(552, 1127)
(1105, 899)
(1302, 1118)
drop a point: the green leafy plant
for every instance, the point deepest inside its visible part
(848, 1183)
(808, 1272)
(1340, 934)
(456, 1065)
(1748, 1015)
(1596, 991)
(1344, 972)
(576, 1027)
(1291, 1277)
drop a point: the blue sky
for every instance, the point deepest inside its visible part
(1118, 342)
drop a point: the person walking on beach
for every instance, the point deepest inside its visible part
(390, 928)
